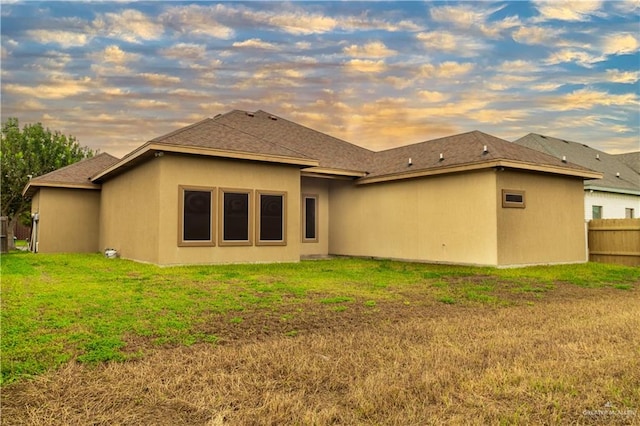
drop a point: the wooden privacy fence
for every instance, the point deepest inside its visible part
(615, 241)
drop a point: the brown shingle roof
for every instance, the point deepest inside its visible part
(631, 159)
(330, 152)
(609, 165)
(215, 134)
(76, 175)
(459, 150)
(263, 136)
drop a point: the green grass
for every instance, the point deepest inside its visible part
(57, 308)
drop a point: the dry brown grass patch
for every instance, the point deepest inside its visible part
(556, 362)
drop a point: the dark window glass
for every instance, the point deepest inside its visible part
(514, 198)
(310, 218)
(197, 216)
(271, 217)
(596, 212)
(236, 216)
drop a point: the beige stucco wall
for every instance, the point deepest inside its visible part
(68, 220)
(551, 227)
(448, 219)
(140, 214)
(129, 213)
(320, 188)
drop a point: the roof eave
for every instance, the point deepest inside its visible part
(611, 189)
(328, 172)
(32, 187)
(153, 147)
(567, 171)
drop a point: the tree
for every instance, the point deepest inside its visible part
(30, 152)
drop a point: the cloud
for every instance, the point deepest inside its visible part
(588, 99)
(366, 65)
(288, 18)
(518, 65)
(185, 52)
(567, 10)
(374, 49)
(496, 116)
(129, 25)
(255, 43)
(620, 44)
(300, 22)
(626, 6)
(536, 35)
(366, 22)
(462, 16)
(445, 41)
(545, 87)
(580, 57)
(626, 77)
(432, 96)
(115, 55)
(57, 87)
(440, 40)
(198, 20)
(448, 69)
(149, 104)
(156, 79)
(63, 38)
(52, 62)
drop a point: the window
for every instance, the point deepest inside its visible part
(196, 216)
(309, 218)
(271, 222)
(235, 215)
(629, 213)
(596, 212)
(513, 198)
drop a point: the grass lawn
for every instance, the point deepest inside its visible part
(317, 342)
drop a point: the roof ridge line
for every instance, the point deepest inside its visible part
(315, 131)
(178, 131)
(263, 140)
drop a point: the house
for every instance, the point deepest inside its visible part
(631, 159)
(255, 187)
(614, 196)
(65, 207)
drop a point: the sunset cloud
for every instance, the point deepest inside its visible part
(55, 88)
(63, 38)
(255, 43)
(589, 98)
(128, 25)
(380, 74)
(621, 44)
(374, 49)
(567, 10)
(366, 65)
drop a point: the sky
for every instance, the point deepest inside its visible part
(116, 74)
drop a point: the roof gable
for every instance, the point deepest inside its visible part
(617, 176)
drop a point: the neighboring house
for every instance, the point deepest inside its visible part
(614, 196)
(631, 159)
(254, 187)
